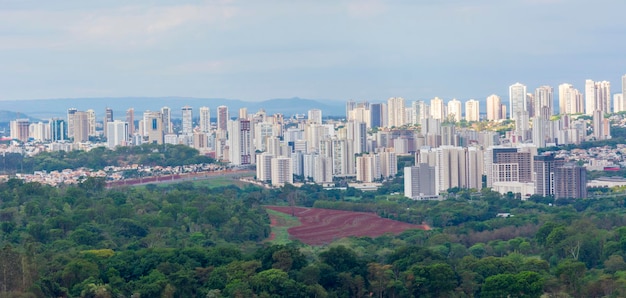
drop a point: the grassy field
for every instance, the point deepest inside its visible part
(283, 222)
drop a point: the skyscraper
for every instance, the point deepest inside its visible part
(282, 171)
(19, 129)
(58, 129)
(472, 110)
(108, 117)
(570, 100)
(240, 142)
(315, 116)
(570, 182)
(222, 118)
(375, 114)
(81, 127)
(130, 119)
(187, 121)
(205, 119)
(419, 182)
(117, 133)
(437, 109)
(166, 115)
(91, 115)
(264, 167)
(153, 127)
(395, 111)
(544, 97)
(494, 108)
(70, 122)
(517, 99)
(455, 110)
(544, 168)
(597, 96)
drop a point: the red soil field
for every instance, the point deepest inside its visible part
(322, 226)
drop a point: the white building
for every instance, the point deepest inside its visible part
(282, 171)
(437, 109)
(205, 119)
(472, 110)
(420, 182)
(494, 108)
(117, 133)
(455, 110)
(517, 99)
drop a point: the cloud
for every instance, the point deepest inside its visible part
(117, 27)
(365, 8)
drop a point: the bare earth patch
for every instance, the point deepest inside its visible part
(322, 226)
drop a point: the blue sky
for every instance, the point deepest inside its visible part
(342, 49)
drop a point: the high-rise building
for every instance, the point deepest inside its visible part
(187, 121)
(570, 100)
(544, 97)
(507, 165)
(81, 127)
(153, 127)
(454, 110)
(130, 119)
(420, 111)
(91, 115)
(494, 108)
(367, 168)
(240, 143)
(618, 103)
(544, 168)
(117, 133)
(70, 122)
(315, 116)
(437, 109)
(376, 115)
(570, 182)
(601, 126)
(282, 171)
(350, 105)
(395, 112)
(205, 119)
(264, 167)
(597, 96)
(517, 99)
(472, 110)
(222, 118)
(624, 86)
(19, 129)
(420, 182)
(108, 117)
(166, 114)
(58, 129)
(357, 133)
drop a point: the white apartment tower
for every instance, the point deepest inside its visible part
(454, 110)
(187, 123)
(437, 109)
(597, 96)
(205, 119)
(570, 100)
(472, 110)
(117, 133)
(544, 97)
(494, 108)
(91, 116)
(264, 167)
(315, 116)
(240, 143)
(517, 99)
(395, 112)
(282, 171)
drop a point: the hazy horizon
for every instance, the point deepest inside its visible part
(341, 50)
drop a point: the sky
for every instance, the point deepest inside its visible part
(328, 49)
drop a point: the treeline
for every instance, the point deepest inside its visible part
(188, 240)
(100, 157)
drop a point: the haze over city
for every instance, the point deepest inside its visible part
(362, 50)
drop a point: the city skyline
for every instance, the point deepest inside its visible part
(362, 50)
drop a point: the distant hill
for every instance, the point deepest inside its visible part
(8, 116)
(47, 108)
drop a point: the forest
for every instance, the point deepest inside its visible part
(194, 240)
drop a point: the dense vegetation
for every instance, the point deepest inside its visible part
(189, 240)
(100, 157)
